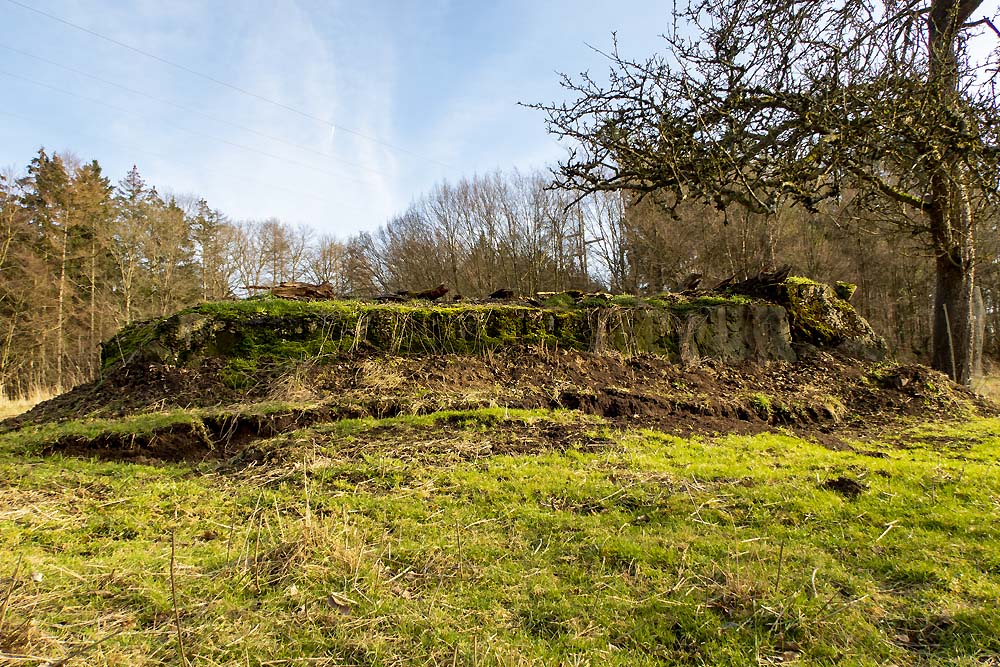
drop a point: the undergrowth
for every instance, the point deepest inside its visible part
(510, 538)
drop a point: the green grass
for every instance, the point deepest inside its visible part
(33, 439)
(410, 541)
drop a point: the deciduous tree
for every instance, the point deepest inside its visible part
(808, 102)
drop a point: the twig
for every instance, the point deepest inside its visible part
(458, 538)
(889, 526)
(256, 553)
(173, 594)
(983, 21)
(10, 590)
(781, 556)
(11, 658)
(305, 487)
(229, 541)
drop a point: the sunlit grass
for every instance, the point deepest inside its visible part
(988, 386)
(368, 544)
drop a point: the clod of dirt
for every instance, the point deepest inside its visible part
(845, 486)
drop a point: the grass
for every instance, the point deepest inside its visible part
(510, 538)
(34, 439)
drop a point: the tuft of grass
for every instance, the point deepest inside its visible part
(761, 404)
(648, 549)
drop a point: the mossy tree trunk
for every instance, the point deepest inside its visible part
(949, 210)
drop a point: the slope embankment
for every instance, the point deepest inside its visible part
(219, 376)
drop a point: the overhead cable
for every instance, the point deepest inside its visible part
(225, 84)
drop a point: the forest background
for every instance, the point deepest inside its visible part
(82, 255)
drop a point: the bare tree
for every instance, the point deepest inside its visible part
(327, 262)
(249, 256)
(803, 102)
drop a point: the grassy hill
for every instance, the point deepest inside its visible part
(515, 507)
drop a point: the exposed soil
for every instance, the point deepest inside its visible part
(845, 486)
(822, 397)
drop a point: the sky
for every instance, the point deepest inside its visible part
(330, 113)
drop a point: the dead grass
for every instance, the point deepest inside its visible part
(10, 407)
(988, 386)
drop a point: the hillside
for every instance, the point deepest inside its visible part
(272, 483)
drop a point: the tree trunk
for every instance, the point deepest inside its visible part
(950, 211)
(953, 316)
(979, 332)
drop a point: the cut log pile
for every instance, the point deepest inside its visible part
(299, 291)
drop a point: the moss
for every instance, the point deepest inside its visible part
(268, 330)
(678, 303)
(272, 329)
(801, 280)
(238, 373)
(599, 300)
(844, 290)
(561, 300)
(712, 301)
(816, 315)
(761, 405)
(626, 301)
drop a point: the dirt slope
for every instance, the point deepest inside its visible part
(822, 396)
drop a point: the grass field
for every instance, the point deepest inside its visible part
(492, 538)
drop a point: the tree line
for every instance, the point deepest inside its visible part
(81, 256)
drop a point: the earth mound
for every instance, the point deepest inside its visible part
(221, 376)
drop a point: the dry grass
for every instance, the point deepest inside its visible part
(10, 407)
(988, 386)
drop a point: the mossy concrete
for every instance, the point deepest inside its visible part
(726, 327)
(818, 316)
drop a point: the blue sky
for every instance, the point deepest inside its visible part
(432, 86)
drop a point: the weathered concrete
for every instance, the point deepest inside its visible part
(728, 328)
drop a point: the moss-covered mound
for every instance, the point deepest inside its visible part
(708, 362)
(819, 316)
(727, 327)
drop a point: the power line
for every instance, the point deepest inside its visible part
(190, 110)
(172, 160)
(220, 82)
(196, 133)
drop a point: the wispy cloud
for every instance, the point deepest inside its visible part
(435, 84)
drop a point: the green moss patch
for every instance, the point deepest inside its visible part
(275, 329)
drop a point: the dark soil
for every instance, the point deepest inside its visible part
(845, 486)
(822, 397)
